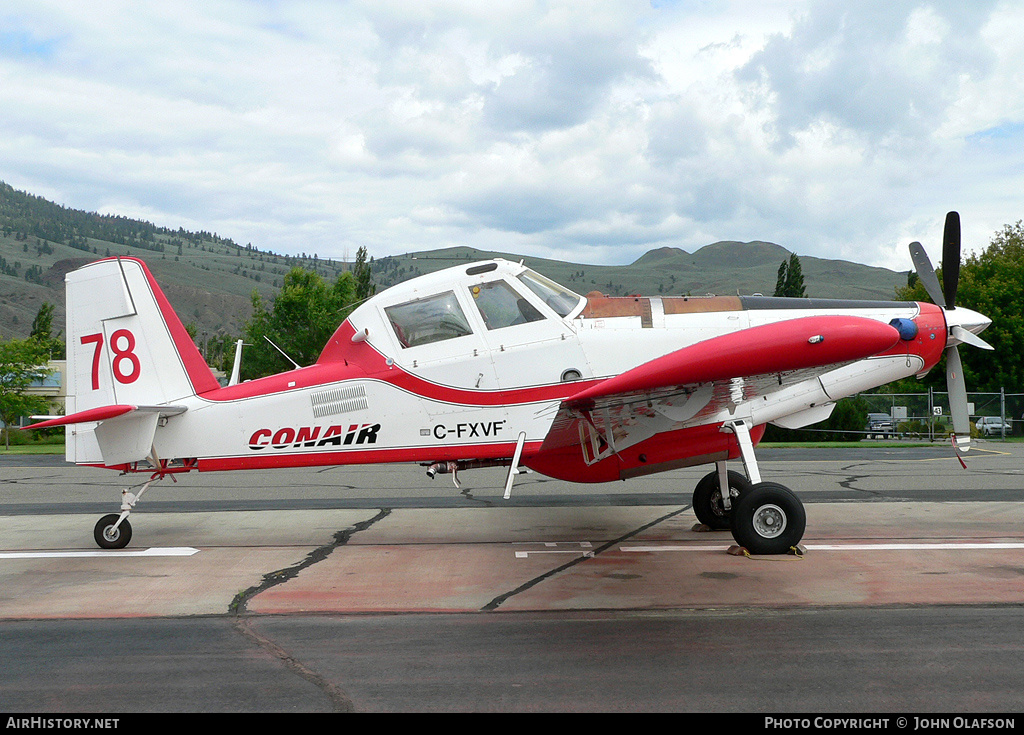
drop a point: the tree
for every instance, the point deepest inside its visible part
(22, 362)
(363, 275)
(844, 425)
(991, 282)
(42, 329)
(791, 279)
(303, 316)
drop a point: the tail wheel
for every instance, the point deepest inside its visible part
(109, 537)
(707, 499)
(769, 519)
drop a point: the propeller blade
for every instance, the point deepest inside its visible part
(970, 338)
(951, 258)
(923, 266)
(958, 399)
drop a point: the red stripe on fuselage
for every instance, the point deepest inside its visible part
(345, 360)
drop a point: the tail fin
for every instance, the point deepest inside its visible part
(126, 347)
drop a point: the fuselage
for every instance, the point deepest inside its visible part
(459, 365)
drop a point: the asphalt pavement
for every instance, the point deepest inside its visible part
(377, 589)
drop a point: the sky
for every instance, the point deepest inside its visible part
(584, 131)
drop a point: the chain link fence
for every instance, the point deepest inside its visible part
(926, 415)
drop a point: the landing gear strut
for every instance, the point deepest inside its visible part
(113, 531)
(764, 517)
(708, 502)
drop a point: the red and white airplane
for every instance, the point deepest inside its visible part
(493, 364)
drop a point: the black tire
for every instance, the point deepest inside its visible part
(769, 519)
(116, 540)
(707, 499)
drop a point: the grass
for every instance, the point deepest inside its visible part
(33, 449)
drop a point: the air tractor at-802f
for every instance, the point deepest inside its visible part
(492, 364)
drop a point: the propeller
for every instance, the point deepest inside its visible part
(962, 324)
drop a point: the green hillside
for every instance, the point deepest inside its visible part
(722, 268)
(209, 278)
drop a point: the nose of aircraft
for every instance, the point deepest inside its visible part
(964, 326)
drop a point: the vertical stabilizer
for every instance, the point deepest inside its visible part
(126, 346)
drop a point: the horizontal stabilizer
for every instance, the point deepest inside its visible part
(103, 413)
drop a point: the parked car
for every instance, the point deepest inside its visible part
(992, 426)
(880, 424)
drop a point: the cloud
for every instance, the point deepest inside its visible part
(563, 129)
(882, 70)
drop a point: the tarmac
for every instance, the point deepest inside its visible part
(861, 550)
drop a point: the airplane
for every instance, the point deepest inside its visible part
(492, 364)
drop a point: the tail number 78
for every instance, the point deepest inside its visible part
(126, 365)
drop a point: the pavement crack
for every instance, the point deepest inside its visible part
(272, 579)
(339, 699)
(849, 484)
(503, 598)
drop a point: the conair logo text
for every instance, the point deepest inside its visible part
(314, 436)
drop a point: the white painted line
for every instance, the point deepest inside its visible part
(554, 544)
(169, 551)
(640, 549)
(952, 546)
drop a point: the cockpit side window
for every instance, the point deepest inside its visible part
(433, 319)
(500, 306)
(561, 300)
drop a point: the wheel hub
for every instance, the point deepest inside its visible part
(769, 521)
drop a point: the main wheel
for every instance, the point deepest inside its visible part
(769, 519)
(108, 537)
(707, 499)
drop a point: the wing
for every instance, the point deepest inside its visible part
(775, 362)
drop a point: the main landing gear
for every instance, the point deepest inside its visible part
(764, 517)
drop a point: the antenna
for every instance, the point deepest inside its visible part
(282, 352)
(236, 367)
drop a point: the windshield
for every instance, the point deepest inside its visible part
(501, 307)
(562, 300)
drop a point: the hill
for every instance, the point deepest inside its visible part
(209, 279)
(720, 268)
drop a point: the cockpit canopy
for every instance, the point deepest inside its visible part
(461, 301)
